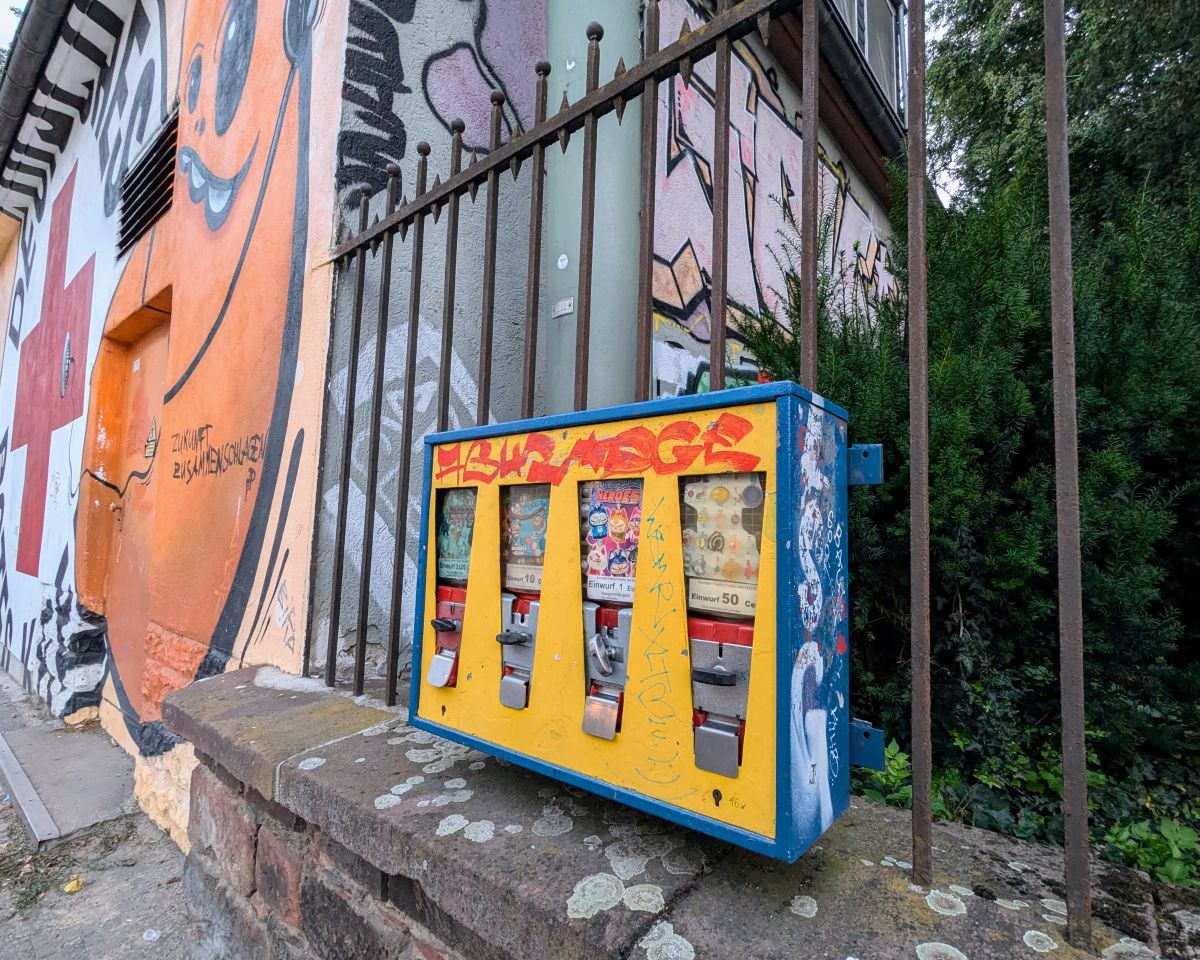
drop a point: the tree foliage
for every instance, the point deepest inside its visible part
(995, 635)
(1133, 85)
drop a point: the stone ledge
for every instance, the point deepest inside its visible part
(502, 864)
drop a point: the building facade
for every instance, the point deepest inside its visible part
(175, 370)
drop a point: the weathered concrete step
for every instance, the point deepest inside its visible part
(485, 853)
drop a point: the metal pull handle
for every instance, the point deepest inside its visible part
(598, 651)
(511, 638)
(714, 676)
(446, 625)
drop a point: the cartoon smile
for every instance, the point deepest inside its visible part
(216, 193)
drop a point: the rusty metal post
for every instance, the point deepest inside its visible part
(373, 429)
(810, 173)
(718, 308)
(396, 613)
(484, 400)
(1066, 481)
(918, 433)
(537, 192)
(339, 535)
(583, 327)
(645, 317)
(446, 360)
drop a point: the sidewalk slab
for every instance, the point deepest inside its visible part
(62, 778)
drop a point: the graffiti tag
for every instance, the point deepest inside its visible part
(540, 458)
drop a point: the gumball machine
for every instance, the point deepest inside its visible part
(455, 525)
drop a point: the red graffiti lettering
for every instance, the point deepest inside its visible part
(677, 447)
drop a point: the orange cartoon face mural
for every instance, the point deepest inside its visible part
(209, 307)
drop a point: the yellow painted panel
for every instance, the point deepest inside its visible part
(652, 754)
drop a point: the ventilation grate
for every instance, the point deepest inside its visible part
(148, 186)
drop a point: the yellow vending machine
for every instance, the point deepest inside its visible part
(651, 602)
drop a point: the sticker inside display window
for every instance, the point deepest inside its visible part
(456, 523)
(722, 530)
(612, 527)
(524, 513)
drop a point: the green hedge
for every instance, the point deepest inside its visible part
(994, 638)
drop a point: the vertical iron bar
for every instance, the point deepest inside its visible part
(373, 428)
(810, 173)
(918, 407)
(404, 453)
(587, 225)
(1066, 477)
(489, 270)
(339, 535)
(533, 277)
(645, 318)
(718, 304)
(447, 355)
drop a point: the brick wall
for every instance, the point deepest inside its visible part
(260, 882)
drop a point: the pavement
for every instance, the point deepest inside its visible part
(124, 872)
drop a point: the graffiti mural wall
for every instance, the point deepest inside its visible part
(765, 159)
(160, 411)
(412, 68)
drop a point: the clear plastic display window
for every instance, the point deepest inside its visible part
(524, 514)
(455, 526)
(722, 518)
(611, 523)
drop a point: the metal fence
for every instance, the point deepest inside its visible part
(405, 221)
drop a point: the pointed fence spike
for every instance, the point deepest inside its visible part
(403, 229)
(566, 104)
(686, 30)
(685, 71)
(473, 189)
(515, 166)
(620, 71)
(563, 139)
(764, 26)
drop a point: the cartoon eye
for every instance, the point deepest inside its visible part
(193, 82)
(236, 40)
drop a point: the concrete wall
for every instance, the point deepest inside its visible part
(412, 68)
(160, 411)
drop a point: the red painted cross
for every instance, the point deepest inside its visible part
(51, 374)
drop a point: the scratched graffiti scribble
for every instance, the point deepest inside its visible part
(653, 688)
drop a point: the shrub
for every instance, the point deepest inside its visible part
(992, 499)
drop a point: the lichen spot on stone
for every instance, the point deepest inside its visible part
(311, 763)
(480, 831)
(939, 951)
(593, 895)
(386, 800)
(1055, 906)
(663, 943)
(456, 784)
(451, 824)
(646, 897)
(947, 904)
(1039, 942)
(961, 890)
(803, 907)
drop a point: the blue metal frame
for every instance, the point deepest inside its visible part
(787, 396)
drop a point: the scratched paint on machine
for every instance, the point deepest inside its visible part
(652, 754)
(818, 729)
